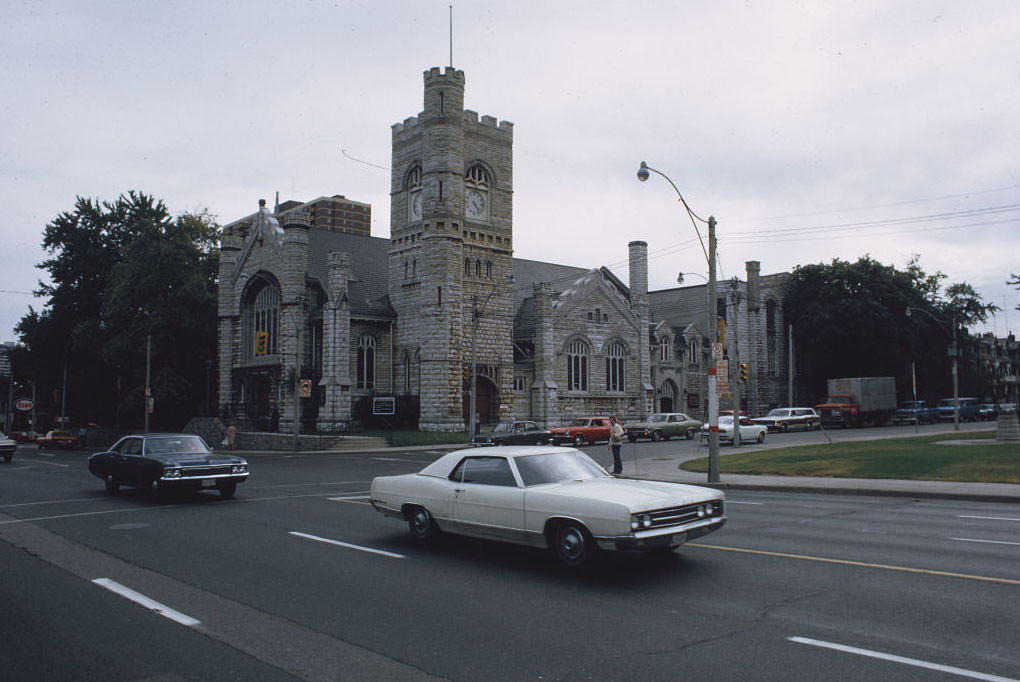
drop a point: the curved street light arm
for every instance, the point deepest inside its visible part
(643, 175)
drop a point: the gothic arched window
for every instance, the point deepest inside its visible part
(577, 366)
(664, 349)
(616, 358)
(262, 319)
(366, 361)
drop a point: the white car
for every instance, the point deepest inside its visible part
(550, 497)
(748, 430)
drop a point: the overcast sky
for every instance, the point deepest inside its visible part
(810, 130)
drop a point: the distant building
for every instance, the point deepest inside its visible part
(999, 364)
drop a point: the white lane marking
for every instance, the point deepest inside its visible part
(757, 504)
(396, 459)
(987, 518)
(902, 659)
(987, 542)
(150, 604)
(69, 516)
(338, 543)
(351, 499)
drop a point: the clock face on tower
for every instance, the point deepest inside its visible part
(415, 207)
(474, 203)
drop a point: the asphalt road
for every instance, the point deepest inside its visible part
(299, 579)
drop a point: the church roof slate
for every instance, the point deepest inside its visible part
(368, 292)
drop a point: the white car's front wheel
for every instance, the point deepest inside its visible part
(572, 543)
(761, 437)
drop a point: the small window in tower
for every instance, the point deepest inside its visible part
(488, 269)
(442, 103)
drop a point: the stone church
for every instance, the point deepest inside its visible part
(319, 321)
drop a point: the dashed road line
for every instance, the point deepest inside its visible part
(151, 604)
(901, 659)
(987, 542)
(347, 545)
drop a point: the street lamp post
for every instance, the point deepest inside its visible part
(956, 367)
(711, 325)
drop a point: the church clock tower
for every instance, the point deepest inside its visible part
(451, 246)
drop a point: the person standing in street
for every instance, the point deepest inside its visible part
(616, 432)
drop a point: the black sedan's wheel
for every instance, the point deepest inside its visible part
(112, 486)
(157, 492)
(761, 437)
(421, 524)
(227, 489)
(572, 543)
(8, 456)
(656, 436)
(578, 441)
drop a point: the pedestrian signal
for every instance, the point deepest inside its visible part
(261, 343)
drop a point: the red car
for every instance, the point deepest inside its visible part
(581, 431)
(58, 439)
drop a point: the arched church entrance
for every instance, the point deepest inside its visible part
(486, 404)
(667, 396)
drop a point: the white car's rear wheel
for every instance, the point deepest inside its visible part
(572, 543)
(421, 524)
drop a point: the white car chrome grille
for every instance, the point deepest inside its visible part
(678, 516)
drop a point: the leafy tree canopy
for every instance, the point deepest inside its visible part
(120, 272)
(850, 319)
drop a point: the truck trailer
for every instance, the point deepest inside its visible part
(857, 401)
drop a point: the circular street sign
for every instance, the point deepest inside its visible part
(23, 404)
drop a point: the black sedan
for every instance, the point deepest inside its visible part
(164, 461)
(514, 433)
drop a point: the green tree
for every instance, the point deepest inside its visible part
(850, 319)
(104, 257)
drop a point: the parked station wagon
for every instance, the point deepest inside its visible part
(783, 419)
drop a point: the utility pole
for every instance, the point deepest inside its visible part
(713, 397)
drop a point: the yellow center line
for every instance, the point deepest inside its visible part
(861, 564)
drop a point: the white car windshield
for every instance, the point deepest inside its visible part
(553, 467)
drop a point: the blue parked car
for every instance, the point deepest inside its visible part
(915, 412)
(968, 409)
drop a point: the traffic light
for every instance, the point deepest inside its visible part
(261, 343)
(743, 372)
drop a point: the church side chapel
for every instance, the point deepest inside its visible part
(323, 323)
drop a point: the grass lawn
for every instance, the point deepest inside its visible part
(922, 458)
(407, 438)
